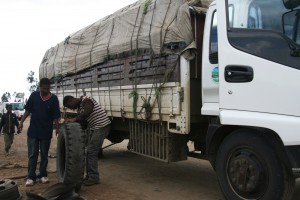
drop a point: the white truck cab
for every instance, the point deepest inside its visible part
(253, 91)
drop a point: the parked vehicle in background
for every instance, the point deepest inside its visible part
(223, 74)
(17, 108)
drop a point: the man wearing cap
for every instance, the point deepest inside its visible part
(8, 122)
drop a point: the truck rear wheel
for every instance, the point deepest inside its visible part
(248, 167)
(70, 158)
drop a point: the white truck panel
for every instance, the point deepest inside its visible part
(287, 127)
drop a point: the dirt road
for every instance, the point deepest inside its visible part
(125, 175)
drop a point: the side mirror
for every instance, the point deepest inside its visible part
(291, 4)
(291, 25)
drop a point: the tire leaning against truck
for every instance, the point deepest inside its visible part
(70, 156)
(248, 167)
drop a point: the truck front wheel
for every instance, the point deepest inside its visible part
(248, 167)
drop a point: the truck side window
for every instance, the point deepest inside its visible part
(254, 18)
(266, 29)
(213, 51)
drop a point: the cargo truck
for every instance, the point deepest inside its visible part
(223, 74)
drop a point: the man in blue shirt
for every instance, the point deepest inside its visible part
(43, 108)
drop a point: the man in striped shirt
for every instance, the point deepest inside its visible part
(98, 122)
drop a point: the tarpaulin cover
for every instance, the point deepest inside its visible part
(161, 26)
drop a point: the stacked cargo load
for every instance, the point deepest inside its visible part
(157, 27)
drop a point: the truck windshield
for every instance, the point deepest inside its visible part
(266, 15)
(17, 106)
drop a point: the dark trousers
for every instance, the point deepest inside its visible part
(95, 142)
(34, 146)
(8, 140)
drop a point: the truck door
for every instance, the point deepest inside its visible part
(258, 70)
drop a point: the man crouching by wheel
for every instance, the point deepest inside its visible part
(88, 109)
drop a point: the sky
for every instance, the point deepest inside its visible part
(28, 28)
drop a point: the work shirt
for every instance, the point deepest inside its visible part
(42, 115)
(95, 115)
(8, 123)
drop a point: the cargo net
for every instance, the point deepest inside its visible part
(161, 26)
(152, 139)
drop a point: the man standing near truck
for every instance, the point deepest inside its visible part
(43, 108)
(99, 123)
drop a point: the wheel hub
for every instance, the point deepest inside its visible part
(244, 173)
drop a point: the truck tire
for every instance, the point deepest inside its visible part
(70, 156)
(248, 167)
(9, 190)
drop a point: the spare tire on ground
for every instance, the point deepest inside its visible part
(9, 190)
(70, 156)
(58, 191)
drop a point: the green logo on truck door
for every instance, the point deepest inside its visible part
(215, 75)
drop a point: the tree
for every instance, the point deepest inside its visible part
(6, 97)
(34, 83)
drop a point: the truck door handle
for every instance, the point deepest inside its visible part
(238, 74)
